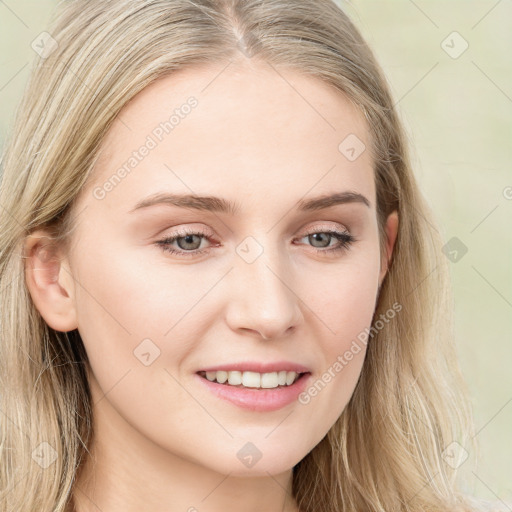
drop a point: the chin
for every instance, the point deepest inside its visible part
(241, 465)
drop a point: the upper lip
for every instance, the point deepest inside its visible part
(259, 367)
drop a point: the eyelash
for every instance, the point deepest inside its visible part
(346, 240)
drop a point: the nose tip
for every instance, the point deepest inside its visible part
(262, 302)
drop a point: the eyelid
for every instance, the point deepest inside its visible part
(188, 229)
(316, 228)
(209, 233)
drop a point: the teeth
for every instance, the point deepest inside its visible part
(290, 377)
(235, 378)
(220, 376)
(253, 379)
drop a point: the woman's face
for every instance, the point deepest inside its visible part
(256, 282)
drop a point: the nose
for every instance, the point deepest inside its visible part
(261, 297)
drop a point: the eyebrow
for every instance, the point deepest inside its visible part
(220, 205)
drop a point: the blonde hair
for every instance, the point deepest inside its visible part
(384, 453)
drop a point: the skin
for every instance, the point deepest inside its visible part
(162, 441)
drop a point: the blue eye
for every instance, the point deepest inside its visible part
(189, 242)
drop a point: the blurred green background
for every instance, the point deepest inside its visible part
(449, 66)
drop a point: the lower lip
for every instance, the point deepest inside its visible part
(258, 399)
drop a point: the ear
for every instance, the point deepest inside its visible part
(391, 229)
(49, 281)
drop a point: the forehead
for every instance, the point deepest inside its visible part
(250, 130)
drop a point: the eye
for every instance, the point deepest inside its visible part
(321, 241)
(188, 243)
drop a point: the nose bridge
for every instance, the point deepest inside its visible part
(263, 300)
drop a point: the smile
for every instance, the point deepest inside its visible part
(247, 389)
(249, 379)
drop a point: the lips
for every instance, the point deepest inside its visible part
(260, 399)
(253, 384)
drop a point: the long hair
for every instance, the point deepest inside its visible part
(385, 451)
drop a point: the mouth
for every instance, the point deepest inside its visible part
(253, 391)
(254, 380)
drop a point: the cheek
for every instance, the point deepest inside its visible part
(139, 317)
(123, 312)
(123, 317)
(344, 303)
(342, 295)
(135, 292)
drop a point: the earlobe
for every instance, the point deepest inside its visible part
(391, 235)
(49, 282)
